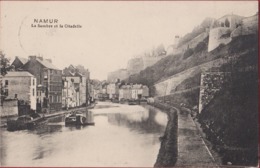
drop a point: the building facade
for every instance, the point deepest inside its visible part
(136, 91)
(69, 96)
(49, 83)
(79, 87)
(125, 92)
(113, 90)
(20, 85)
(81, 79)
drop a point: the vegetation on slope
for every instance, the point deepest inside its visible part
(196, 31)
(173, 64)
(231, 118)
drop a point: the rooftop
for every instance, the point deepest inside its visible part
(23, 60)
(47, 64)
(18, 74)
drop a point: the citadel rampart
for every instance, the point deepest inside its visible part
(231, 26)
(217, 36)
(193, 43)
(168, 86)
(211, 83)
(248, 26)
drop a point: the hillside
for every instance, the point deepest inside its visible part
(206, 23)
(230, 119)
(233, 112)
(171, 65)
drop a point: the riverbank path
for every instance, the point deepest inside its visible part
(192, 150)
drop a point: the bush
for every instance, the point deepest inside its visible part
(200, 47)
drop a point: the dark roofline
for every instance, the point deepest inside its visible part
(21, 59)
(39, 61)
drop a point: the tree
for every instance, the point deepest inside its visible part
(4, 64)
(4, 67)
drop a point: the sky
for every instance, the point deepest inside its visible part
(111, 32)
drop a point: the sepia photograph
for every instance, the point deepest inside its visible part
(129, 84)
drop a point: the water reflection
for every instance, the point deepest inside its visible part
(122, 136)
(141, 121)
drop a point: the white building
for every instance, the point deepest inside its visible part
(136, 91)
(20, 85)
(113, 90)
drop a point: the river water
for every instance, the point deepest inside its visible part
(123, 136)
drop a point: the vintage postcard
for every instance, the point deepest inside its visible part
(129, 83)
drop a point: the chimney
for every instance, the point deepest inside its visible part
(49, 60)
(32, 57)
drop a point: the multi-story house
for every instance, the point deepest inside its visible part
(69, 95)
(49, 83)
(81, 77)
(20, 85)
(136, 91)
(113, 90)
(97, 91)
(79, 82)
(125, 92)
(145, 91)
(139, 91)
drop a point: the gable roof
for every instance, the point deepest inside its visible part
(67, 73)
(78, 74)
(23, 60)
(46, 63)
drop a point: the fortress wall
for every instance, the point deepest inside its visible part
(165, 87)
(211, 83)
(193, 43)
(215, 37)
(149, 61)
(249, 26)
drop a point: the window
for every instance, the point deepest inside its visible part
(33, 82)
(15, 96)
(6, 82)
(33, 92)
